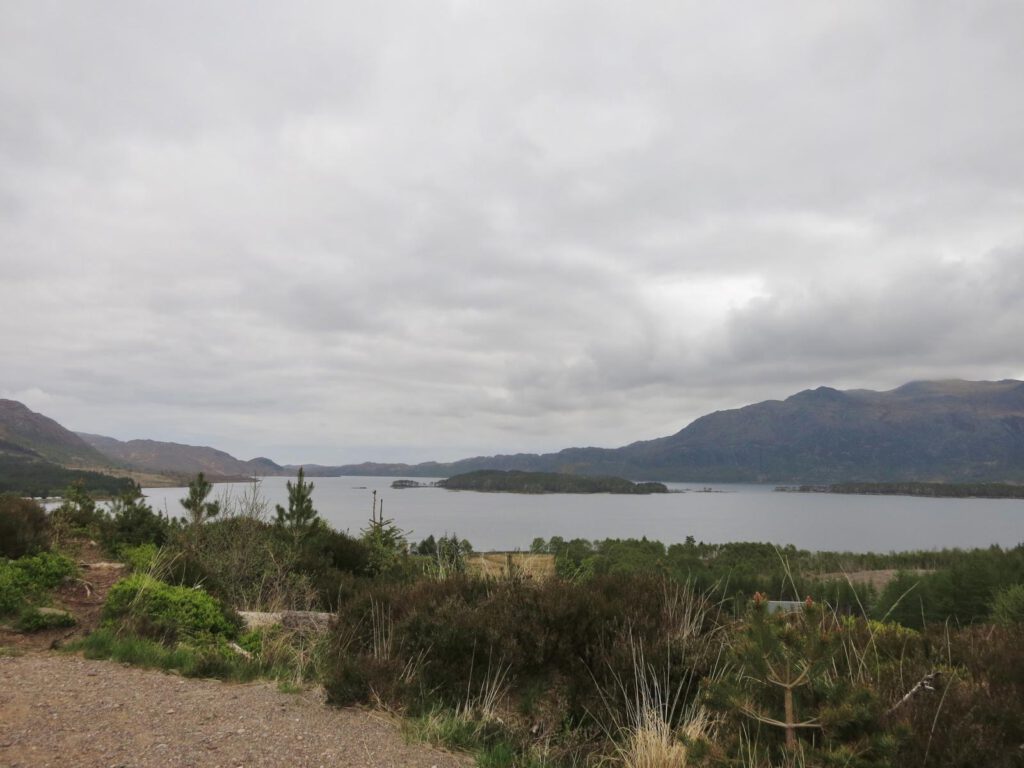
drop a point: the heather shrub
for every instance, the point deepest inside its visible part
(974, 714)
(254, 565)
(549, 657)
(24, 529)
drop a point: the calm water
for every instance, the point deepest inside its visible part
(739, 513)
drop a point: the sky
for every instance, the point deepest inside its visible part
(330, 232)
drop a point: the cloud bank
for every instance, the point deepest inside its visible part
(423, 230)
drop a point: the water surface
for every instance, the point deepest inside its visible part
(814, 521)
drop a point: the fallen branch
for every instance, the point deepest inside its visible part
(926, 683)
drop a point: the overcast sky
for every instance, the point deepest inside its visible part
(337, 231)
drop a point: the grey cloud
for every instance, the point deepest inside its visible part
(418, 229)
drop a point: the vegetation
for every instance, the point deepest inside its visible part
(27, 476)
(33, 619)
(300, 517)
(931, 490)
(496, 481)
(25, 582)
(634, 653)
(24, 527)
(151, 608)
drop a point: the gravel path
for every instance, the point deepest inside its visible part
(58, 710)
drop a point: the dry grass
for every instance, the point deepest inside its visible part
(503, 565)
(652, 743)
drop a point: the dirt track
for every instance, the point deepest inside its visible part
(58, 710)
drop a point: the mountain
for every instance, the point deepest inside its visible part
(24, 430)
(39, 457)
(176, 458)
(952, 431)
(928, 430)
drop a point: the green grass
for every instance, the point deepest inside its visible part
(487, 741)
(33, 620)
(190, 661)
(291, 661)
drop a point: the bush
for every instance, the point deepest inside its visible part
(140, 559)
(46, 570)
(34, 620)
(28, 578)
(151, 608)
(77, 515)
(24, 529)
(242, 562)
(564, 653)
(13, 588)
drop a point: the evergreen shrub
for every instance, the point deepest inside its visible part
(150, 608)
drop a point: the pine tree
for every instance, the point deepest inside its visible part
(385, 540)
(792, 683)
(300, 517)
(199, 509)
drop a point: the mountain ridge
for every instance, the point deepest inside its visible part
(179, 458)
(946, 430)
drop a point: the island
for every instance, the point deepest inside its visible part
(931, 490)
(515, 481)
(400, 484)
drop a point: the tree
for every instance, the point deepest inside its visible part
(798, 684)
(385, 540)
(300, 517)
(1008, 606)
(199, 509)
(132, 522)
(77, 515)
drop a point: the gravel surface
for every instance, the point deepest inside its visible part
(58, 710)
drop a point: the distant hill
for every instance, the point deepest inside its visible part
(952, 431)
(179, 459)
(23, 429)
(927, 431)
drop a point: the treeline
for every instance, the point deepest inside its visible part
(930, 490)
(514, 481)
(41, 479)
(964, 585)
